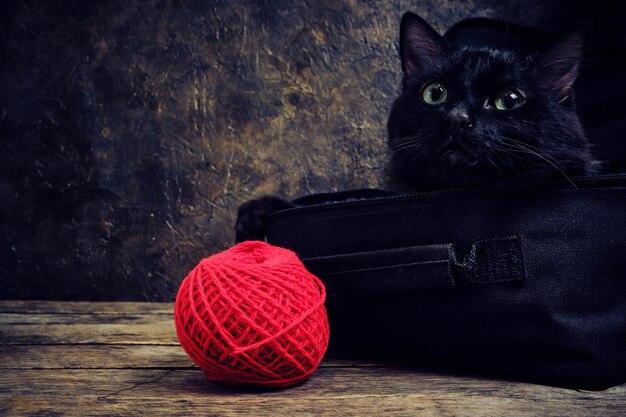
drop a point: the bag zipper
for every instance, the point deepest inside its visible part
(577, 180)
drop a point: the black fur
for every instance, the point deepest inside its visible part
(252, 216)
(465, 140)
(433, 147)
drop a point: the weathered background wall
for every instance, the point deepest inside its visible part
(131, 130)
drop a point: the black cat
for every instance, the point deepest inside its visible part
(475, 114)
(471, 114)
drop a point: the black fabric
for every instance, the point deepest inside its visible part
(421, 267)
(524, 282)
(494, 260)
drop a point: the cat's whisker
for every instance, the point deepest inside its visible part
(413, 152)
(529, 146)
(513, 148)
(408, 146)
(515, 156)
(494, 165)
(508, 150)
(406, 141)
(414, 155)
(415, 135)
(521, 148)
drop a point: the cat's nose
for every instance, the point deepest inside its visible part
(460, 119)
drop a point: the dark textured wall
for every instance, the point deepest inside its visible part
(131, 130)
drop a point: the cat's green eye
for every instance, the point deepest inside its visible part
(508, 100)
(434, 94)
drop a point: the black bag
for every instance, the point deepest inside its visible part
(520, 282)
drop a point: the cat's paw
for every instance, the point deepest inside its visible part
(252, 216)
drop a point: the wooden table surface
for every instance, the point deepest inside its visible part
(105, 359)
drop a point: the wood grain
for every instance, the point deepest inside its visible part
(118, 356)
(39, 357)
(332, 391)
(159, 332)
(49, 322)
(81, 307)
(101, 374)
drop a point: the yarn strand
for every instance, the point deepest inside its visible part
(253, 315)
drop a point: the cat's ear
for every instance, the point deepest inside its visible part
(420, 44)
(557, 66)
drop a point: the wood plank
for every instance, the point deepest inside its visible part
(129, 319)
(160, 331)
(76, 325)
(61, 357)
(331, 391)
(125, 359)
(33, 357)
(84, 307)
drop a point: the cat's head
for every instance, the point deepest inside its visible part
(470, 115)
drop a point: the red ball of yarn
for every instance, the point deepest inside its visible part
(253, 315)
